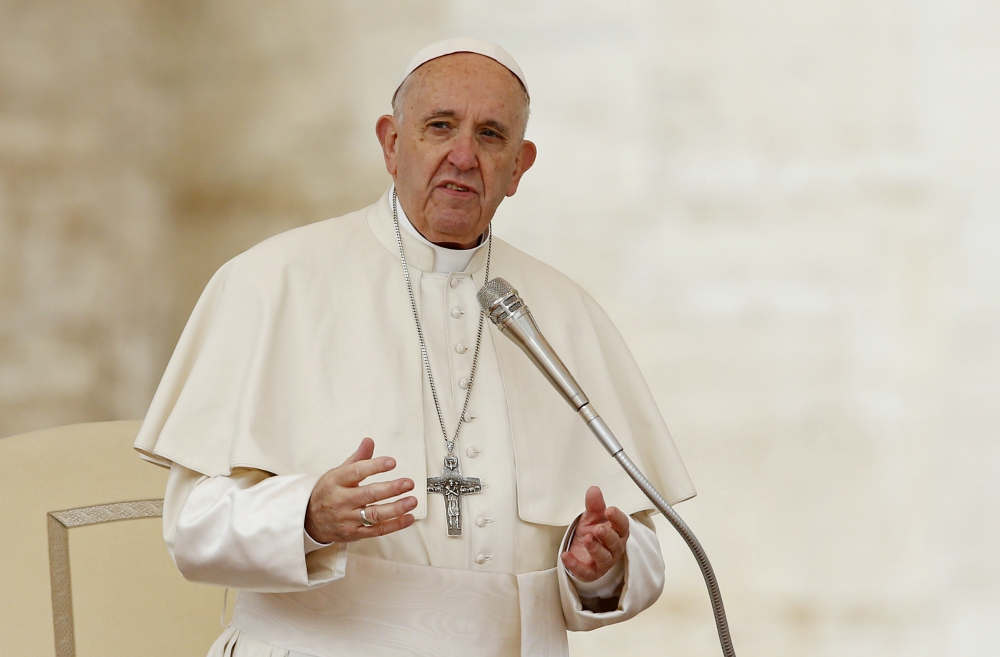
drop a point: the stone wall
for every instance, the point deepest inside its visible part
(790, 210)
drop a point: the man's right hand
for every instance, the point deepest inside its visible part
(334, 511)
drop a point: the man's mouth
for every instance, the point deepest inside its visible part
(457, 187)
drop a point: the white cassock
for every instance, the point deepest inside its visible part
(303, 345)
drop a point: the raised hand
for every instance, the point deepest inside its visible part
(599, 540)
(334, 511)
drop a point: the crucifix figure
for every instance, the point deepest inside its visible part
(453, 486)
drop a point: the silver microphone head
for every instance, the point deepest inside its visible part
(502, 304)
(500, 301)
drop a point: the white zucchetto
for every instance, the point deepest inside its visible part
(463, 44)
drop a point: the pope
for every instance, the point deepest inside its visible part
(333, 376)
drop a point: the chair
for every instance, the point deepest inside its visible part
(83, 568)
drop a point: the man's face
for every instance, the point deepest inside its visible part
(457, 150)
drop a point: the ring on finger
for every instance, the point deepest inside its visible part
(365, 520)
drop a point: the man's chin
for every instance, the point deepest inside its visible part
(455, 229)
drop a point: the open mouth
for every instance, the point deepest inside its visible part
(456, 187)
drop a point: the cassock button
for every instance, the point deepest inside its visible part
(456, 313)
(469, 417)
(480, 521)
(472, 452)
(480, 559)
(455, 282)
(463, 384)
(461, 348)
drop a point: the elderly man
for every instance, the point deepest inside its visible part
(368, 325)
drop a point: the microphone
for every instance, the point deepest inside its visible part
(505, 308)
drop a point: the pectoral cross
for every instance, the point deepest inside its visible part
(453, 486)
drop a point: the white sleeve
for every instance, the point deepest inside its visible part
(643, 580)
(246, 531)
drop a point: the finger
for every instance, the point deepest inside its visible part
(383, 490)
(609, 538)
(581, 571)
(619, 521)
(593, 505)
(384, 512)
(387, 527)
(364, 451)
(600, 554)
(572, 564)
(352, 474)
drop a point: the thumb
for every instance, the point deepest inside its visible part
(594, 506)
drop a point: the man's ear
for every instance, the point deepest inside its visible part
(525, 158)
(387, 133)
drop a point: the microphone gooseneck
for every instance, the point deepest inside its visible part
(501, 303)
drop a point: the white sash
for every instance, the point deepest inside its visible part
(389, 608)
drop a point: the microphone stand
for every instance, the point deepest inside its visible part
(501, 303)
(604, 435)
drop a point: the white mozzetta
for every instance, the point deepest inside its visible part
(309, 335)
(305, 344)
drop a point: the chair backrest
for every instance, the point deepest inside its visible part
(83, 568)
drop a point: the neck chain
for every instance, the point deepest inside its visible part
(451, 484)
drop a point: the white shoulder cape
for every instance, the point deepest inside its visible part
(305, 344)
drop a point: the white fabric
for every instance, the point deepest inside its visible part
(245, 531)
(308, 542)
(231, 534)
(222, 530)
(309, 336)
(447, 261)
(387, 608)
(464, 44)
(203, 528)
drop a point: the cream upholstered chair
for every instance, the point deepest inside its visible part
(83, 568)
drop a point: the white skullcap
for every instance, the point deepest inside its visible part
(463, 44)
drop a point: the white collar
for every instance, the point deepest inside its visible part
(446, 261)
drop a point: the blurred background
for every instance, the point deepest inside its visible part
(790, 209)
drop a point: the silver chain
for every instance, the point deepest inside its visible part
(450, 444)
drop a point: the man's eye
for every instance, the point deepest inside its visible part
(440, 125)
(491, 134)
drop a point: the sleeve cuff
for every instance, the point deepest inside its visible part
(310, 545)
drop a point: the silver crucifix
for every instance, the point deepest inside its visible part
(453, 486)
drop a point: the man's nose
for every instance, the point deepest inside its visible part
(463, 152)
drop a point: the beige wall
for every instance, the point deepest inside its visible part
(790, 209)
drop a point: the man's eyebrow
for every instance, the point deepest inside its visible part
(437, 114)
(443, 113)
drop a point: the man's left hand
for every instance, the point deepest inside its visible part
(599, 540)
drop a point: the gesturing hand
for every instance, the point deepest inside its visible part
(334, 511)
(599, 540)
